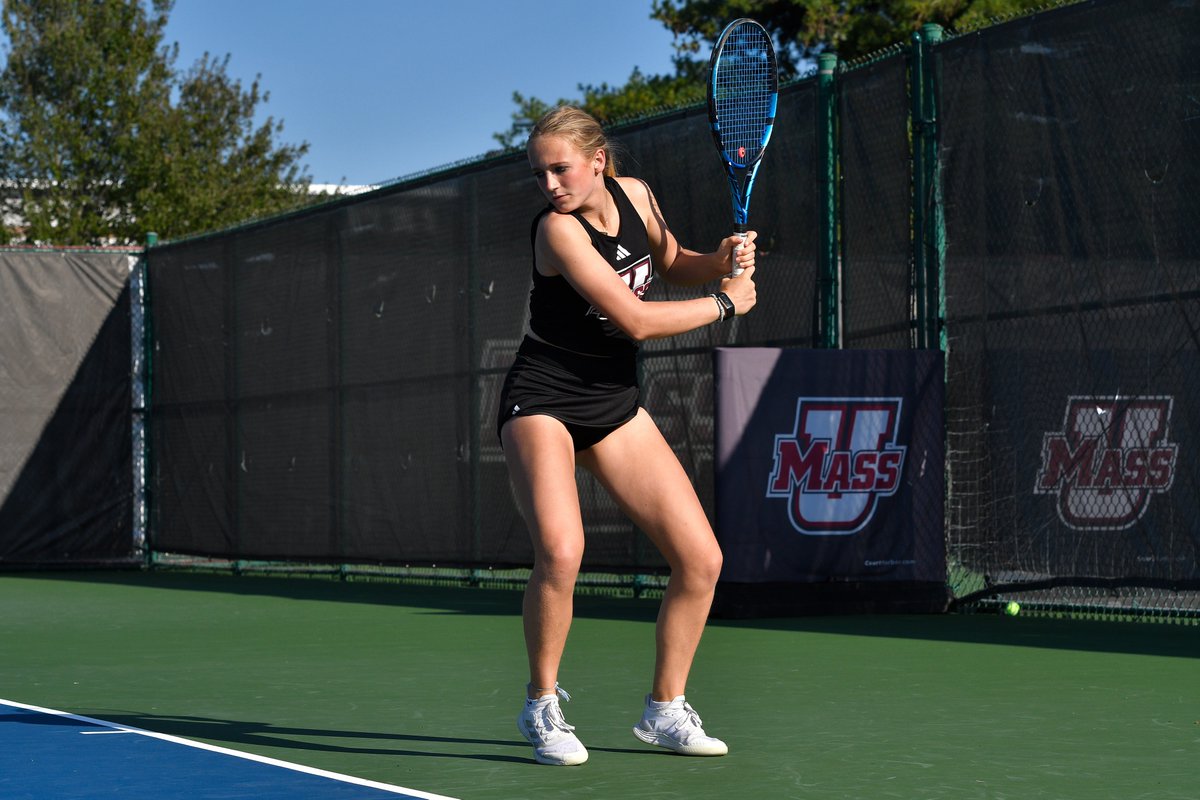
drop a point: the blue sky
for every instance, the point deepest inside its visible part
(382, 89)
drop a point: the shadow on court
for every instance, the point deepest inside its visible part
(25, 718)
(1140, 638)
(1134, 638)
(258, 735)
(265, 735)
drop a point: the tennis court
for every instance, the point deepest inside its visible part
(67, 755)
(419, 687)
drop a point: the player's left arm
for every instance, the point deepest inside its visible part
(676, 263)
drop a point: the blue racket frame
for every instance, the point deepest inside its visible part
(743, 92)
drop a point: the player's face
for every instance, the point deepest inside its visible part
(565, 175)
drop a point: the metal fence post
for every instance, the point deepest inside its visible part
(828, 317)
(143, 493)
(928, 234)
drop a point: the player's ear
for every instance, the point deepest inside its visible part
(599, 161)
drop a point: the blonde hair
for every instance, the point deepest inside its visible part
(580, 129)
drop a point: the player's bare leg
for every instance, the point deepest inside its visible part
(541, 465)
(644, 476)
(642, 473)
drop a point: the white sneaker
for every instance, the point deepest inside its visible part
(676, 726)
(554, 742)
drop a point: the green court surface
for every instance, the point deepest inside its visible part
(420, 687)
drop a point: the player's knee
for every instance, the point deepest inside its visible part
(714, 560)
(559, 562)
(702, 568)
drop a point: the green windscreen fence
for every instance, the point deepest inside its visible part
(1069, 149)
(325, 385)
(876, 202)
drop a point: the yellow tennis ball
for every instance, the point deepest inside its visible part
(1012, 608)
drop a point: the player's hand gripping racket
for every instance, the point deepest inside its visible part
(743, 87)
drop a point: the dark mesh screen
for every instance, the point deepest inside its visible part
(876, 205)
(326, 384)
(1068, 148)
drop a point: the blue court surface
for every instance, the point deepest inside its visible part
(52, 755)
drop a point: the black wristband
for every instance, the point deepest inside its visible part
(727, 310)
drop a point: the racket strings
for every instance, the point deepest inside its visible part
(743, 93)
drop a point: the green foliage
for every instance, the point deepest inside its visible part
(644, 95)
(102, 139)
(640, 96)
(529, 110)
(801, 29)
(804, 28)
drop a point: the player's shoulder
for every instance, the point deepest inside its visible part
(639, 193)
(554, 223)
(559, 232)
(635, 188)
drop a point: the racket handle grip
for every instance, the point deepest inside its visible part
(741, 234)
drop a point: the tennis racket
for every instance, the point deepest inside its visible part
(743, 88)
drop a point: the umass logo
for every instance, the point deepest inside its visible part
(839, 460)
(1110, 458)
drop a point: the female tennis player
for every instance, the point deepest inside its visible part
(572, 398)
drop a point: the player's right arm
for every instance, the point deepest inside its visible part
(562, 247)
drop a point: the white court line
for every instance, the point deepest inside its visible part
(274, 762)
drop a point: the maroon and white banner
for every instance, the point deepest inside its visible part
(1089, 474)
(829, 465)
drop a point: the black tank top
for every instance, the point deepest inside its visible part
(561, 316)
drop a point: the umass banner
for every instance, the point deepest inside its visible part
(829, 465)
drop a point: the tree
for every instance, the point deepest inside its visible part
(801, 30)
(640, 96)
(804, 28)
(103, 140)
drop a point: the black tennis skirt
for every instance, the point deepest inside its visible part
(591, 395)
